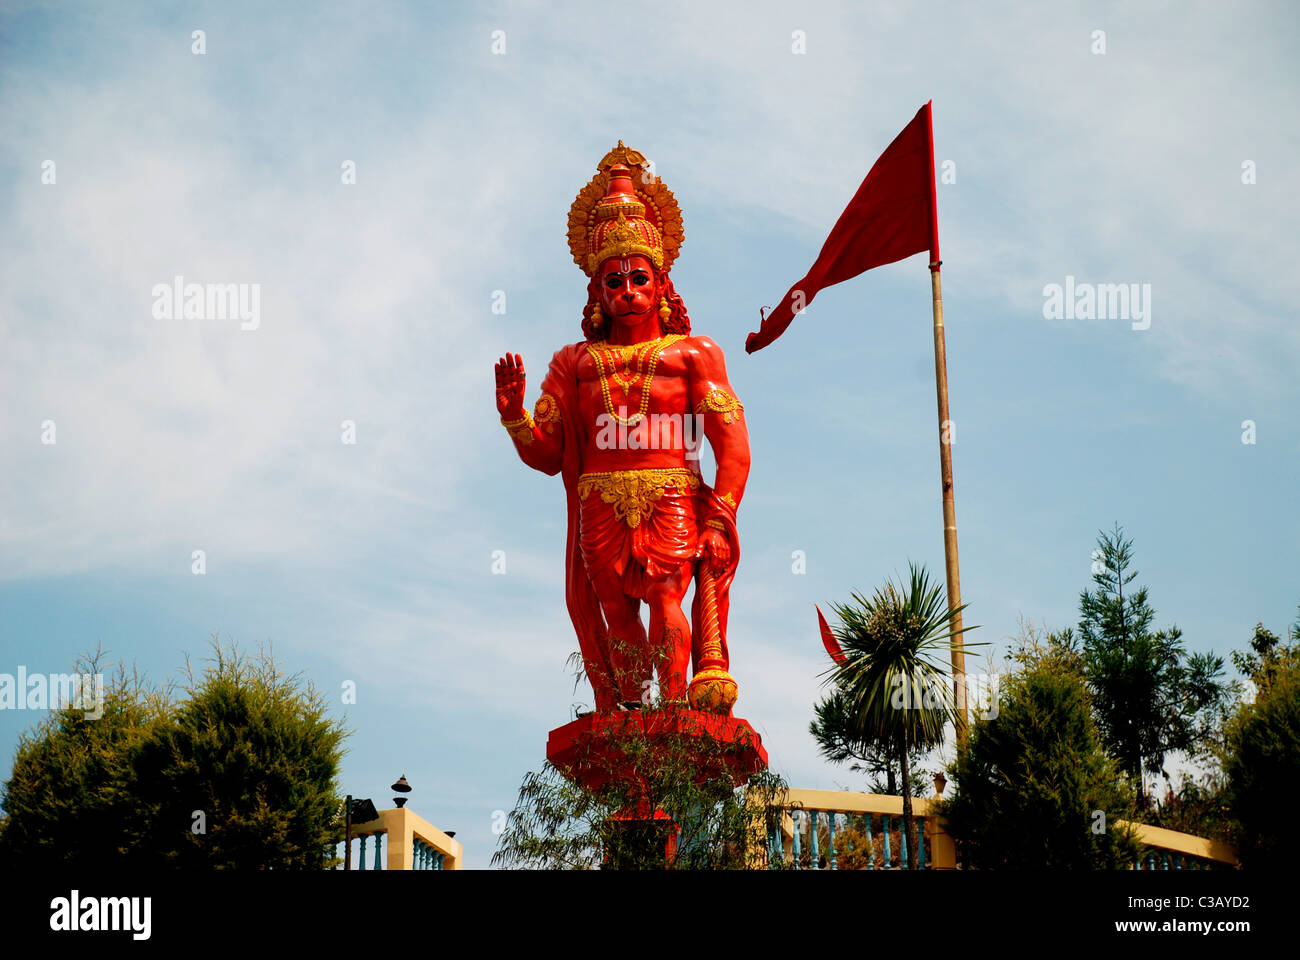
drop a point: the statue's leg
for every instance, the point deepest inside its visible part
(604, 544)
(626, 643)
(670, 631)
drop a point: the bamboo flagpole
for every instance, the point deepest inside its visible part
(951, 567)
(952, 570)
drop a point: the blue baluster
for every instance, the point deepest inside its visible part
(812, 841)
(832, 815)
(795, 847)
(1151, 860)
(378, 836)
(902, 844)
(441, 857)
(884, 826)
(920, 843)
(1164, 860)
(416, 857)
(361, 861)
(871, 844)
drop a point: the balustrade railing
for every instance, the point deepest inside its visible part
(838, 830)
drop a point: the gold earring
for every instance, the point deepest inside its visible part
(665, 311)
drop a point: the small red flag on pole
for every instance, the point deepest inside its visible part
(893, 215)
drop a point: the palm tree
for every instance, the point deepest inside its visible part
(891, 671)
(838, 741)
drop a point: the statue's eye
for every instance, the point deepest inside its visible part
(613, 281)
(640, 279)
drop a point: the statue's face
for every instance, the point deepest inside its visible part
(629, 290)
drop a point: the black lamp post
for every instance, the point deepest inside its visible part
(401, 786)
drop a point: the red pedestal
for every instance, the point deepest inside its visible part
(593, 752)
(586, 750)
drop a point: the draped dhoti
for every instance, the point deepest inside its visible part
(641, 524)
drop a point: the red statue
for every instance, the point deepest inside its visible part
(619, 418)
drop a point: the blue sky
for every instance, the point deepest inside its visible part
(372, 562)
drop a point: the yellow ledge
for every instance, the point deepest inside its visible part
(1185, 843)
(403, 827)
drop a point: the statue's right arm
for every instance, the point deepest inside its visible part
(536, 436)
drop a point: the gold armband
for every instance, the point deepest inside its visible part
(716, 524)
(521, 429)
(547, 412)
(719, 401)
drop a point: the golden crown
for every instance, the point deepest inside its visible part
(624, 210)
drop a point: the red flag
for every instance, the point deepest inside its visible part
(893, 215)
(828, 639)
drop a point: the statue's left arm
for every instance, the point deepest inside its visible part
(712, 399)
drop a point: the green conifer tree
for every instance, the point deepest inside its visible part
(1150, 695)
(1035, 788)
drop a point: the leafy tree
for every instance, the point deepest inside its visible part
(1262, 758)
(1035, 788)
(837, 742)
(1267, 656)
(74, 797)
(1150, 696)
(1199, 806)
(255, 752)
(238, 773)
(894, 688)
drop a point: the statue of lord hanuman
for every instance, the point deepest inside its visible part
(619, 418)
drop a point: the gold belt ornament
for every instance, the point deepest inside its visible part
(633, 492)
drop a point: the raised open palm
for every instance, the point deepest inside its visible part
(510, 386)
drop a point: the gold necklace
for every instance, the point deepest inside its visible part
(627, 380)
(645, 373)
